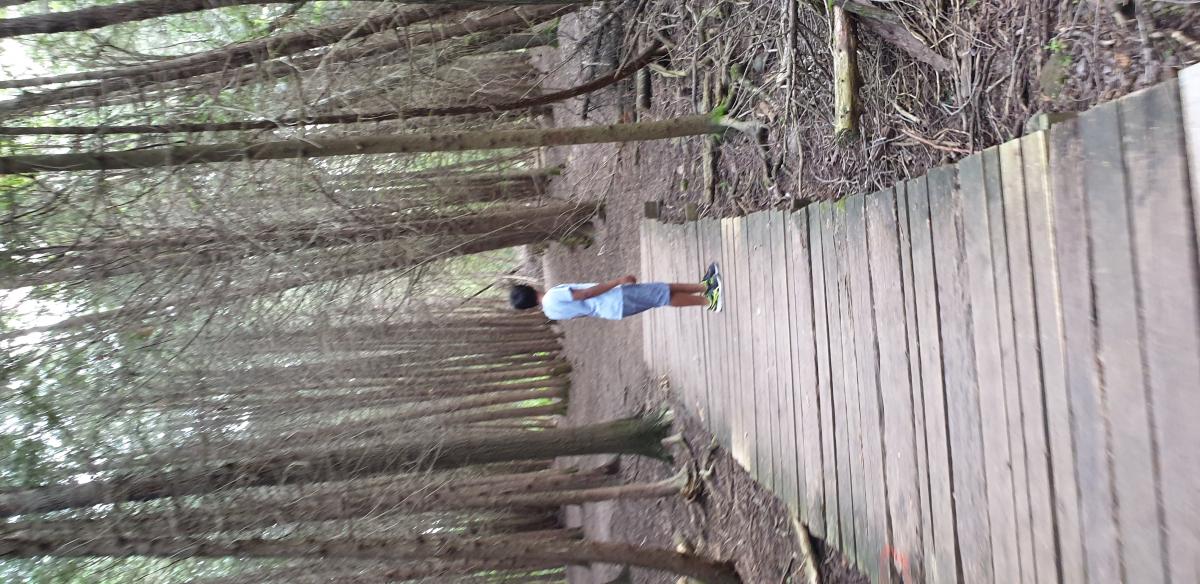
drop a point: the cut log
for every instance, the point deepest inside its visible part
(845, 74)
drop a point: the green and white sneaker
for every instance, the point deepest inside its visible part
(709, 279)
(712, 283)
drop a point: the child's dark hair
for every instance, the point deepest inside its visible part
(523, 297)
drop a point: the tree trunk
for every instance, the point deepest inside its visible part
(400, 143)
(527, 552)
(221, 60)
(629, 436)
(620, 73)
(176, 307)
(258, 512)
(101, 16)
(244, 53)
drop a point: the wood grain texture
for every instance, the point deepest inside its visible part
(1164, 241)
(1048, 310)
(899, 439)
(978, 179)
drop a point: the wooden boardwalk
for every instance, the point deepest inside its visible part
(990, 374)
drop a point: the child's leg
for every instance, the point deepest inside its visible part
(687, 299)
(687, 288)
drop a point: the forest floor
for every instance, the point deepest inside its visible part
(1019, 58)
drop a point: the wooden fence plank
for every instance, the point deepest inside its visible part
(1033, 404)
(710, 245)
(658, 258)
(838, 329)
(729, 328)
(964, 428)
(735, 304)
(822, 343)
(1090, 412)
(646, 273)
(1049, 316)
(807, 438)
(942, 559)
(863, 548)
(877, 527)
(691, 320)
(765, 380)
(1189, 89)
(745, 307)
(791, 487)
(679, 370)
(1012, 177)
(919, 564)
(979, 176)
(754, 343)
(899, 440)
(1169, 288)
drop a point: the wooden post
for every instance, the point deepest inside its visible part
(845, 74)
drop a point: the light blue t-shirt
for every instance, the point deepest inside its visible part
(558, 304)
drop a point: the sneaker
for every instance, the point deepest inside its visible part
(710, 277)
(715, 299)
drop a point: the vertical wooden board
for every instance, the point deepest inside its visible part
(1033, 403)
(692, 319)
(864, 547)
(679, 373)
(653, 320)
(644, 274)
(662, 317)
(1070, 169)
(837, 330)
(821, 335)
(964, 428)
(899, 440)
(751, 342)
(683, 263)
(729, 323)
(1012, 179)
(729, 338)
(679, 265)
(806, 438)
(700, 316)
(1169, 288)
(920, 564)
(1189, 88)
(877, 528)
(942, 560)
(1049, 317)
(733, 306)
(764, 377)
(745, 307)
(783, 318)
(670, 336)
(979, 176)
(778, 319)
(709, 249)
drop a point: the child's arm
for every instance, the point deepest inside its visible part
(599, 289)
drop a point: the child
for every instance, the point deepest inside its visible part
(619, 298)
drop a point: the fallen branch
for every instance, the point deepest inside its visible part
(845, 75)
(889, 27)
(811, 574)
